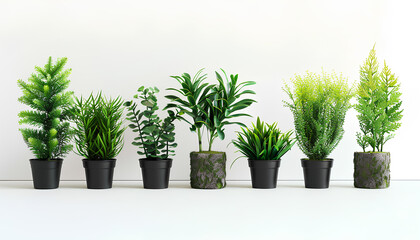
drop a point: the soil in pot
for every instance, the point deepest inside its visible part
(46, 174)
(99, 173)
(155, 173)
(208, 170)
(372, 170)
(264, 173)
(317, 172)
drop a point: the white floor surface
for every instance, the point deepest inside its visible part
(127, 211)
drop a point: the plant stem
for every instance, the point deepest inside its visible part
(200, 149)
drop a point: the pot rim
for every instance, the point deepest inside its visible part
(155, 160)
(45, 160)
(207, 152)
(264, 159)
(322, 160)
(98, 160)
(371, 152)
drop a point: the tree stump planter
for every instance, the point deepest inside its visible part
(46, 174)
(372, 170)
(208, 170)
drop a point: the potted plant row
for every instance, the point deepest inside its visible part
(98, 137)
(263, 145)
(319, 103)
(155, 140)
(210, 108)
(378, 105)
(50, 133)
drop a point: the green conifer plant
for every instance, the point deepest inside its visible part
(378, 104)
(319, 103)
(45, 92)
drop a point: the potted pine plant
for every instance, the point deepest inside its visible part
(210, 107)
(98, 137)
(50, 134)
(319, 103)
(378, 105)
(155, 140)
(263, 145)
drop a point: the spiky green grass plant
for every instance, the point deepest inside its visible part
(45, 92)
(99, 130)
(263, 141)
(319, 103)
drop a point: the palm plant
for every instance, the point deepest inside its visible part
(211, 106)
(45, 94)
(263, 141)
(319, 103)
(156, 138)
(99, 130)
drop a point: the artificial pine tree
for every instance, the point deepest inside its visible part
(44, 92)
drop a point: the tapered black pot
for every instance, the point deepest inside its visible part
(99, 173)
(46, 174)
(317, 172)
(264, 173)
(155, 173)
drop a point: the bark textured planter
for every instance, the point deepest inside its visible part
(372, 170)
(46, 174)
(264, 173)
(317, 172)
(155, 173)
(99, 173)
(208, 170)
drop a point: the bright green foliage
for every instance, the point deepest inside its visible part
(378, 104)
(319, 104)
(211, 106)
(156, 137)
(263, 141)
(45, 94)
(99, 130)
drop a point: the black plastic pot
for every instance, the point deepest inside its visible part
(99, 173)
(264, 173)
(317, 172)
(155, 173)
(46, 174)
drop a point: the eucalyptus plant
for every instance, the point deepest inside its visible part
(156, 137)
(263, 141)
(378, 104)
(211, 106)
(319, 103)
(99, 127)
(45, 92)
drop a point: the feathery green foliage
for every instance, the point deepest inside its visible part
(379, 104)
(156, 137)
(263, 141)
(319, 103)
(45, 94)
(211, 106)
(99, 130)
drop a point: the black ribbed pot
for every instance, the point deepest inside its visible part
(46, 174)
(208, 170)
(99, 173)
(264, 173)
(372, 170)
(155, 172)
(317, 172)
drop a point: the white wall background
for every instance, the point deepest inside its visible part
(118, 46)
